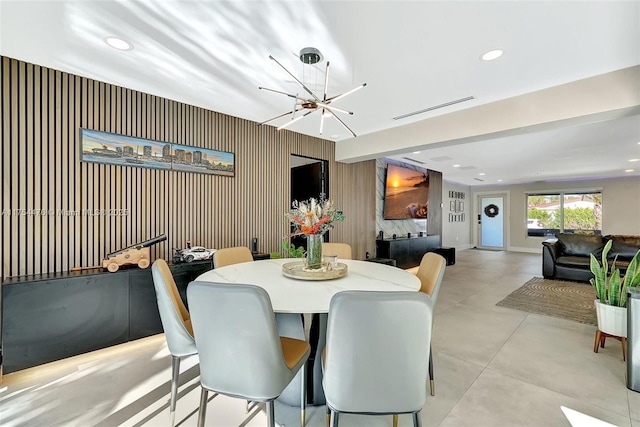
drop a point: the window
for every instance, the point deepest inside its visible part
(565, 212)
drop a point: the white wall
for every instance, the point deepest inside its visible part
(456, 234)
(620, 207)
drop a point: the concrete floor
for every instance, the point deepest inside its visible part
(493, 367)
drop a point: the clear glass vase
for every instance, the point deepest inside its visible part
(314, 251)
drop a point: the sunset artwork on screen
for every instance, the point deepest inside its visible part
(406, 193)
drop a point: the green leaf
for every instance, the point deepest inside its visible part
(615, 284)
(605, 252)
(632, 276)
(599, 280)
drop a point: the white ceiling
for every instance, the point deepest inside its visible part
(412, 55)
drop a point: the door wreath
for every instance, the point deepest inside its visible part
(491, 210)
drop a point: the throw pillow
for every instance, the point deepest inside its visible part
(624, 246)
(581, 244)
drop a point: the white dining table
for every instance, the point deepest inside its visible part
(290, 295)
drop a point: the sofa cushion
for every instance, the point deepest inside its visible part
(624, 246)
(581, 244)
(574, 261)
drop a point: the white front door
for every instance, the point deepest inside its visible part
(491, 225)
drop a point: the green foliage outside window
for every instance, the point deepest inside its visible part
(555, 213)
(579, 219)
(545, 217)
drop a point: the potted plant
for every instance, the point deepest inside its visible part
(291, 251)
(312, 219)
(611, 291)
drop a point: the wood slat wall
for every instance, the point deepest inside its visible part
(42, 111)
(434, 223)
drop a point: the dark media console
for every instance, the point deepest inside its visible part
(48, 317)
(408, 251)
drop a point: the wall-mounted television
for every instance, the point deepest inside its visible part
(406, 193)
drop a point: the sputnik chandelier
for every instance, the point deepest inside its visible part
(305, 105)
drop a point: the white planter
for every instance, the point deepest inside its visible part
(612, 320)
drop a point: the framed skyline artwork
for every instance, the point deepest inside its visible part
(110, 148)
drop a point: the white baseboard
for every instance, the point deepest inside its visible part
(510, 248)
(463, 247)
(527, 250)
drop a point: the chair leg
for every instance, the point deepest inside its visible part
(395, 420)
(203, 407)
(175, 375)
(328, 416)
(271, 416)
(432, 383)
(303, 395)
(596, 343)
(334, 418)
(417, 419)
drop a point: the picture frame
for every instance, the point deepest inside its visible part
(110, 148)
(114, 149)
(187, 158)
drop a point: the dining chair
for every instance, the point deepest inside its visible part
(289, 324)
(431, 272)
(228, 256)
(241, 354)
(176, 323)
(341, 250)
(378, 366)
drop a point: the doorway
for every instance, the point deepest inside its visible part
(309, 178)
(491, 222)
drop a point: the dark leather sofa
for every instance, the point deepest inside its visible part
(567, 256)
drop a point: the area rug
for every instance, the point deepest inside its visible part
(557, 298)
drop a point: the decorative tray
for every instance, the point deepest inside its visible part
(297, 270)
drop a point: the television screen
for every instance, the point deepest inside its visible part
(406, 193)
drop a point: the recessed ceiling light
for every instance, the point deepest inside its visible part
(482, 174)
(634, 160)
(118, 43)
(416, 152)
(629, 170)
(492, 54)
(499, 180)
(456, 166)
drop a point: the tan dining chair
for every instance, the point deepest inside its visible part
(228, 256)
(431, 272)
(241, 354)
(341, 250)
(176, 323)
(370, 368)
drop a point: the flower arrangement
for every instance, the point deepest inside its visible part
(313, 217)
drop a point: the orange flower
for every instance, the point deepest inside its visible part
(313, 216)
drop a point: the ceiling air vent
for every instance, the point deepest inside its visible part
(441, 158)
(413, 160)
(435, 107)
(478, 179)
